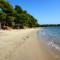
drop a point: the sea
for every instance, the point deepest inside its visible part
(51, 37)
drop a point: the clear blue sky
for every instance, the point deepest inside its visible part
(45, 11)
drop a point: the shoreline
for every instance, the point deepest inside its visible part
(23, 45)
(51, 49)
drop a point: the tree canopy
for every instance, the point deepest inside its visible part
(15, 17)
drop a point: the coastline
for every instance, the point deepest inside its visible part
(23, 45)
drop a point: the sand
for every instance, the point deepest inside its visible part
(23, 45)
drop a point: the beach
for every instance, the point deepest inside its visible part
(23, 45)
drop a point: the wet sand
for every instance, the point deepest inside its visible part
(23, 45)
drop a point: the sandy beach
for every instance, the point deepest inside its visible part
(23, 45)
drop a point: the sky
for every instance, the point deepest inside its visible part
(45, 11)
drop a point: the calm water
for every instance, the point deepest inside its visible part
(51, 36)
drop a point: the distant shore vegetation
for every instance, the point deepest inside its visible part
(15, 18)
(50, 25)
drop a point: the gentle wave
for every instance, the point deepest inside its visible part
(51, 36)
(51, 43)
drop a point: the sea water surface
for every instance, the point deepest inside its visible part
(51, 36)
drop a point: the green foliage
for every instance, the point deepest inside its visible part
(6, 7)
(18, 9)
(15, 17)
(50, 25)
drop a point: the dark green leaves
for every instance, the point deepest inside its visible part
(15, 17)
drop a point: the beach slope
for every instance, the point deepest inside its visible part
(22, 45)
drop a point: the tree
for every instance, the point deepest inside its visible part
(6, 7)
(18, 9)
(15, 17)
(10, 21)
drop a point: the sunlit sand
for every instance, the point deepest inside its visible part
(23, 45)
